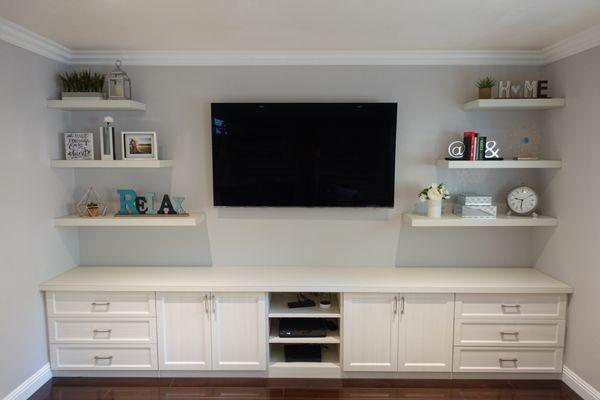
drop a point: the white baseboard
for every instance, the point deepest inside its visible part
(581, 387)
(31, 385)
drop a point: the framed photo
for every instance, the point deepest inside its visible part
(139, 146)
(79, 146)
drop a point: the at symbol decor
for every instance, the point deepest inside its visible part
(456, 149)
(91, 204)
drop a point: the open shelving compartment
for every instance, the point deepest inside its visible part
(330, 364)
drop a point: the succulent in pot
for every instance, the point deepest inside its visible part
(92, 209)
(485, 86)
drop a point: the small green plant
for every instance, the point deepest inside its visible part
(82, 81)
(485, 83)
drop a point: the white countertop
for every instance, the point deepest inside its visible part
(308, 279)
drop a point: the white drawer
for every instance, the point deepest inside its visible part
(89, 304)
(477, 359)
(542, 306)
(103, 357)
(503, 332)
(101, 330)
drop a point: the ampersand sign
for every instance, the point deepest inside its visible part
(490, 150)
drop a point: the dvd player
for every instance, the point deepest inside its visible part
(302, 327)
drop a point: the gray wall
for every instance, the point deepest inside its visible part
(31, 249)
(571, 252)
(429, 116)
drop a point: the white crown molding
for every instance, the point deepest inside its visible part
(296, 58)
(31, 385)
(577, 43)
(581, 387)
(28, 40)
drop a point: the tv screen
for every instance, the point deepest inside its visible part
(303, 154)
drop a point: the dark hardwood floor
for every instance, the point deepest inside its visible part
(298, 389)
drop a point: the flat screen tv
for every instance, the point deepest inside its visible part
(303, 154)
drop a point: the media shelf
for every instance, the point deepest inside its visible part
(333, 337)
(329, 367)
(279, 309)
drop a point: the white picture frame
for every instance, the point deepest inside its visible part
(139, 146)
(79, 146)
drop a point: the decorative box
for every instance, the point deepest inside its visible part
(470, 199)
(476, 212)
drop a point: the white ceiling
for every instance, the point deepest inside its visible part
(303, 25)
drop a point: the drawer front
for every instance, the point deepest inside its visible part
(542, 306)
(103, 357)
(90, 304)
(475, 332)
(474, 359)
(100, 330)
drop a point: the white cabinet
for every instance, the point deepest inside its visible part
(184, 331)
(395, 332)
(370, 332)
(239, 331)
(425, 333)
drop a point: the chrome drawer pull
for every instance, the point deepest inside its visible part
(103, 357)
(102, 330)
(104, 303)
(512, 360)
(511, 306)
(515, 333)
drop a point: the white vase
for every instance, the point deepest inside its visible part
(434, 208)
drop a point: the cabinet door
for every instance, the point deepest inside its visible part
(370, 332)
(426, 332)
(183, 331)
(239, 331)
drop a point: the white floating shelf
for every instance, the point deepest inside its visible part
(110, 220)
(333, 337)
(279, 308)
(451, 220)
(513, 104)
(111, 163)
(498, 164)
(96, 105)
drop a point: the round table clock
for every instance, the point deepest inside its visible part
(522, 200)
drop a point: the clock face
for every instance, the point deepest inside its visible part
(522, 200)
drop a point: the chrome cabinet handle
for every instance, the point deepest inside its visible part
(515, 333)
(395, 305)
(513, 360)
(511, 306)
(206, 303)
(102, 330)
(103, 357)
(103, 303)
(214, 305)
(402, 305)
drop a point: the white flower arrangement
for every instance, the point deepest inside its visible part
(434, 192)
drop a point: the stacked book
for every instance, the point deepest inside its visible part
(475, 206)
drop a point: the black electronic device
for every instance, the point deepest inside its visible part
(302, 352)
(304, 154)
(302, 327)
(302, 302)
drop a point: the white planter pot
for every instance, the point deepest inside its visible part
(434, 208)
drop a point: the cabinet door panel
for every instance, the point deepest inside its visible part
(184, 331)
(370, 332)
(239, 331)
(426, 332)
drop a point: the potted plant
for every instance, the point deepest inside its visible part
(82, 84)
(433, 195)
(92, 209)
(485, 86)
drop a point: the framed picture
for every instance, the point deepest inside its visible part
(79, 146)
(139, 146)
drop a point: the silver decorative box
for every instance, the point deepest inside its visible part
(470, 199)
(475, 212)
